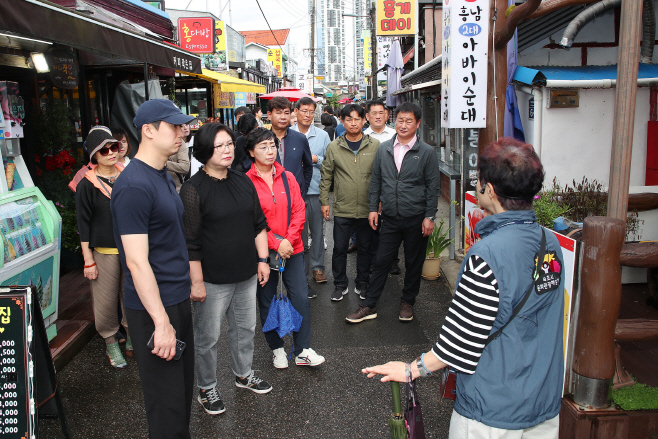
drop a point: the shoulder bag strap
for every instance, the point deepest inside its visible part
(517, 308)
(284, 177)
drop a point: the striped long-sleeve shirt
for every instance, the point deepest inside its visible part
(470, 317)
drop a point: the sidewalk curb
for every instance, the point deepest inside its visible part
(450, 270)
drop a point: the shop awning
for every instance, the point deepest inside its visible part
(50, 22)
(420, 86)
(581, 77)
(228, 83)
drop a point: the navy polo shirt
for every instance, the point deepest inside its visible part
(145, 202)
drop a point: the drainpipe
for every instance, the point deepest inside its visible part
(538, 95)
(581, 20)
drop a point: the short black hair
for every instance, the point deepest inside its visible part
(408, 107)
(247, 123)
(241, 110)
(278, 103)
(156, 124)
(375, 103)
(306, 101)
(204, 140)
(257, 136)
(347, 110)
(329, 109)
(326, 119)
(120, 133)
(255, 110)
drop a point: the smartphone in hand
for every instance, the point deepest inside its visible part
(180, 346)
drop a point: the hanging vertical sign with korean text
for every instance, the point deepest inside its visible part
(396, 17)
(464, 72)
(274, 56)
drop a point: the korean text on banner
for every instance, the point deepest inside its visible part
(396, 17)
(367, 53)
(464, 70)
(220, 36)
(274, 56)
(197, 34)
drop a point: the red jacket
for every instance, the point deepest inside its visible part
(277, 213)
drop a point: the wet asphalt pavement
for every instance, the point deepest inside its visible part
(334, 400)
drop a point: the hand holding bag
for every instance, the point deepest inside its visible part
(413, 416)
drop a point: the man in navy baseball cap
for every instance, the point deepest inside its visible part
(147, 216)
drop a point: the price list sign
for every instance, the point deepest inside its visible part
(16, 391)
(465, 41)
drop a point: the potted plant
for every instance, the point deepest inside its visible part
(437, 242)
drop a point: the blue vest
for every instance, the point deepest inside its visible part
(519, 378)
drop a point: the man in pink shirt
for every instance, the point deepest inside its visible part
(406, 181)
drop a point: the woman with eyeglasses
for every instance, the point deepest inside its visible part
(285, 237)
(226, 234)
(102, 265)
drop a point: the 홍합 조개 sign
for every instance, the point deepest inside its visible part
(464, 70)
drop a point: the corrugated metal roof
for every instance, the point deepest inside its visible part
(425, 73)
(532, 32)
(538, 75)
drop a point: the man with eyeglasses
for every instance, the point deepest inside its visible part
(147, 215)
(348, 164)
(405, 180)
(318, 140)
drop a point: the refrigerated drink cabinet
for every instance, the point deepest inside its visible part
(30, 225)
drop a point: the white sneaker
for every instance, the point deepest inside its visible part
(308, 357)
(280, 358)
(325, 243)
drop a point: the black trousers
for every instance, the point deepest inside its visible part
(392, 233)
(342, 232)
(168, 386)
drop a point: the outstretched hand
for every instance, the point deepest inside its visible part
(391, 371)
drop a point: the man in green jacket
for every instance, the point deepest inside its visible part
(348, 164)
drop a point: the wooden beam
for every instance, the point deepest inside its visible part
(515, 17)
(624, 120)
(639, 254)
(636, 330)
(600, 297)
(642, 202)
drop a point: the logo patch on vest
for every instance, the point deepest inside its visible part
(548, 274)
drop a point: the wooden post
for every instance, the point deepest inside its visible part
(622, 131)
(495, 86)
(594, 356)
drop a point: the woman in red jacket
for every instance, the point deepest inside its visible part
(284, 237)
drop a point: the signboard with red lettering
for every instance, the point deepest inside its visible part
(197, 34)
(274, 56)
(464, 63)
(396, 17)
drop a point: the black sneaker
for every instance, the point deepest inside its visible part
(395, 269)
(360, 289)
(253, 383)
(312, 294)
(211, 402)
(338, 293)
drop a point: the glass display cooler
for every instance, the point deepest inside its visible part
(30, 226)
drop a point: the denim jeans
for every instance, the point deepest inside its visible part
(342, 231)
(294, 279)
(238, 302)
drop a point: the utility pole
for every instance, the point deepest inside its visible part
(373, 46)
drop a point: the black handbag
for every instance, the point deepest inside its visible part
(413, 416)
(275, 259)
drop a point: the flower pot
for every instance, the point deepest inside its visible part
(431, 268)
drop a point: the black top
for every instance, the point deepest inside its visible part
(331, 130)
(222, 219)
(240, 155)
(354, 146)
(94, 216)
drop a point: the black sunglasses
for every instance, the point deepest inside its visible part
(105, 150)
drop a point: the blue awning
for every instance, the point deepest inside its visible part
(540, 75)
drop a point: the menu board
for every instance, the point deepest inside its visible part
(63, 68)
(20, 228)
(16, 390)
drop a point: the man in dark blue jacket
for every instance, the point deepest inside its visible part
(294, 152)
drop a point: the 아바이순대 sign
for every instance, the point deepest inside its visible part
(464, 71)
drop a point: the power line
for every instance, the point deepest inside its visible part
(270, 27)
